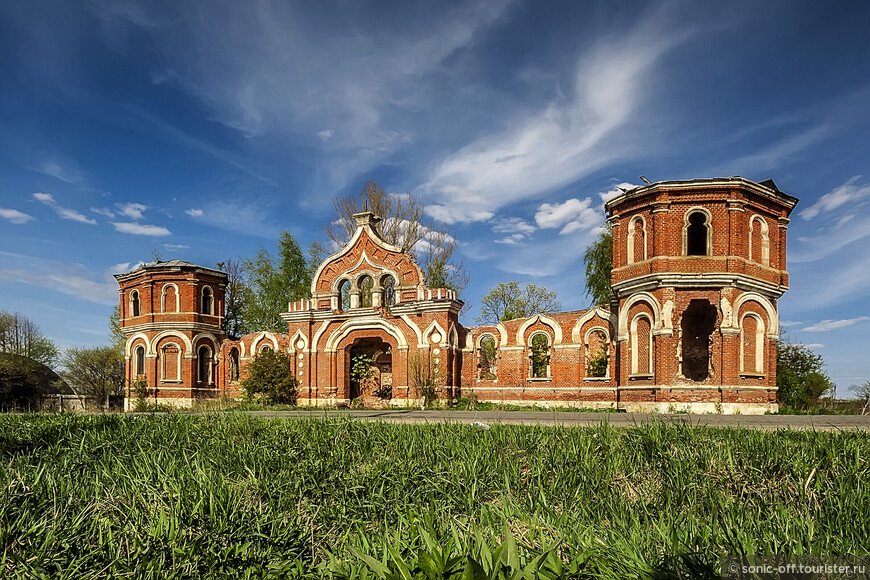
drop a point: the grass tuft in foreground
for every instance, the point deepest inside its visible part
(235, 496)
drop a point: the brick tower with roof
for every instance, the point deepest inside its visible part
(698, 267)
(171, 313)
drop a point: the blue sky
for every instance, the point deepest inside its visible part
(204, 129)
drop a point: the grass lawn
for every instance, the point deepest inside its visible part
(182, 496)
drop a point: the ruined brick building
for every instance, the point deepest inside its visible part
(698, 267)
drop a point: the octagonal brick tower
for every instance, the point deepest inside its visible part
(698, 267)
(171, 313)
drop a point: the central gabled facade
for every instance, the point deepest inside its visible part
(370, 300)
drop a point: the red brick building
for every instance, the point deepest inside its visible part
(697, 269)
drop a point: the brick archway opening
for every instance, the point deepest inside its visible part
(699, 321)
(370, 371)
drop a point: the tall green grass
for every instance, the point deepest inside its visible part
(242, 497)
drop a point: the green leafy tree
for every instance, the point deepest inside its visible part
(271, 376)
(94, 371)
(508, 301)
(270, 284)
(21, 336)
(117, 338)
(598, 262)
(800, 377)
(404, 224)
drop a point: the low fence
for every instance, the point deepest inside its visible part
(80, 404)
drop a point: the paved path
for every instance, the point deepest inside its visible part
(819, 422)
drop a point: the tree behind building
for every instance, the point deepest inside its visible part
(508, 301)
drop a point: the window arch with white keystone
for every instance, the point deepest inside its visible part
(596, 345)
(207, 301)
(636, 250)
(759, 240)
(751, 344)
(135, 305)
(641, 345)
(698, 232)
(539, 356)
(487, 358)
(169, 298)
(204, 365)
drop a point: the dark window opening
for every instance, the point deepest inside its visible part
(134, 299)
(487, 359)
(344, 296)
(234, 365)
(696, 235)
(699, 321)
(204, 365)
(140, 361)
(366, 284)
(388, 291)
(207, 301)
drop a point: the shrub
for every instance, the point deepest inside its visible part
(271, 376)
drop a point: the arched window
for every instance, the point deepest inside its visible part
(234, 365)
(366, 284)
(134, 303)
(759, 241)
(487, 358)
(207, 302)
(204, 365)
(597, 353)
(344, 295)
(636, 240)
(539, 356)
(265, 348)
(752, 344)
(140, 361)
(641, 345)
(171, 362)
(169, 299)
(697, 234)
(388, 291)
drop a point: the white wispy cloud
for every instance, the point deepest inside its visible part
(141, 229)
(287, 70)
(103, 211)
(193, 212)
(512, 225)
(14, 216)
(566, 140)
(815, 345)
(72, 279)
(571, 215)
(827, 325)
(843, 217)
(131, 210)
(63, 212)
(511, 240)
(847, 193)
(62, 172)
(176, 247)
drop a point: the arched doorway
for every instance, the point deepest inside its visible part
(370, 370)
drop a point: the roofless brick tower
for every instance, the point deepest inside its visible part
(698, 267)
(171, 313)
